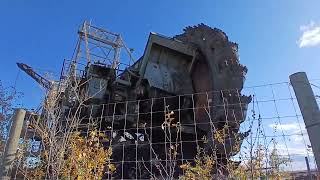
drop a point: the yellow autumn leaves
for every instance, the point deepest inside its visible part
(202, 168)
(87, 158)
(84, 158)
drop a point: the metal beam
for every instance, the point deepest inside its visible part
(41, 80)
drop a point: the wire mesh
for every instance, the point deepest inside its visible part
(163, 137)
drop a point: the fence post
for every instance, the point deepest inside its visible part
(309, 110)
(12, 143)
(308, 168)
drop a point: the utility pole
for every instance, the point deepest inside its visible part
(12, 143)
(309, 110)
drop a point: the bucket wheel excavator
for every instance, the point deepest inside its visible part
(192, 81)
(196, 76)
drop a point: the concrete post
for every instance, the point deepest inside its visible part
(309, 109)
(12, 143)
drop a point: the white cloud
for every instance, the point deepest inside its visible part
(298, 150)
(301, 135)
(296, 131)
(287, 127)
(307, 27)
(310, 35)
(297, 138)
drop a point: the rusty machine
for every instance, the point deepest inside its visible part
(196, 76)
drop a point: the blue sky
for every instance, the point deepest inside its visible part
(43, 33)
(276, 37)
